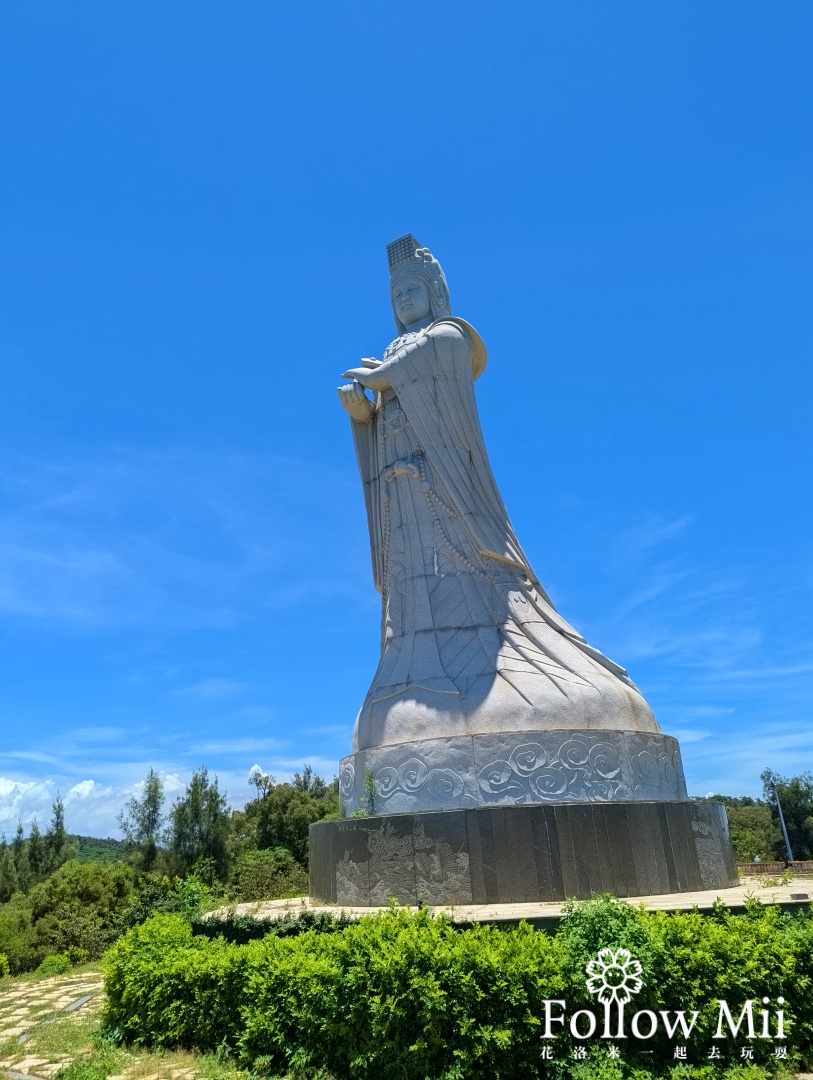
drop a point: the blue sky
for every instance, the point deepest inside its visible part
(195, 199)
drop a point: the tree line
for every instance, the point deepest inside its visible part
(754, 824)
(194, 853)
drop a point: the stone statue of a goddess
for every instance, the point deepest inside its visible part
(471, 644)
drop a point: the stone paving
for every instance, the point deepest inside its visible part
(72, 1002)
(26, 1006)
(794, 895)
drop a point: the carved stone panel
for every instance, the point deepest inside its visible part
(514, 769)
(522, 854)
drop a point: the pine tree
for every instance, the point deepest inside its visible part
(19, 854)
(8, 873)
(56, 838)
(199, 824)
(141, 820)
(37, 854)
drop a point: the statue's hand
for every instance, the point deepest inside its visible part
(368, 377)
(356, 402)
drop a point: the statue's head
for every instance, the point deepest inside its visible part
(417, 284)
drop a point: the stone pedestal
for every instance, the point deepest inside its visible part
(517, 768)
(522, 854)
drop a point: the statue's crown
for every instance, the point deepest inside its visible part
(406, 257)
(402, 251)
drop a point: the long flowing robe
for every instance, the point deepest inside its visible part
(470, 640)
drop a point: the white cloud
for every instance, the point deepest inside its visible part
(24, 801)
(92, 807)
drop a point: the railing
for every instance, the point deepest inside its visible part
(773, 869)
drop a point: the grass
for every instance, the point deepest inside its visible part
(77, 1040)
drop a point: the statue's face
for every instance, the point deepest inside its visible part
(410, 298)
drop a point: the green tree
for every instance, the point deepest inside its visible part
(199, 825)
(17, 935)
(283, 816)
(56, 838)
(310, 782)
(267, 875)
(8, 873)
(796, 796)
(37, 853)
(142, 820)
(754, 832)
(80, 906)
(19, 853)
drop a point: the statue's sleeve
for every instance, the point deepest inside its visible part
(365, 438)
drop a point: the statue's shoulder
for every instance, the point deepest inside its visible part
(448, 329)
(458, 333)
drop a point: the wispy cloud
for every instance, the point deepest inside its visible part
(183, 538)
(654, 531)
(244, 746)
(212, 688)
(710, 637)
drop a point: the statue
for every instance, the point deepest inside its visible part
(470, 641)
(552, 773)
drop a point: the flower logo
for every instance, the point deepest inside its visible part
(614, 976)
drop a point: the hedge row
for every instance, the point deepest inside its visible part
(406, 996)
(240, 929)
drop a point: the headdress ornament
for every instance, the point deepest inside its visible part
(407, 258)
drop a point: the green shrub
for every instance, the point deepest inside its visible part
(153, 894)
(166, 987)
(243, 928)
(402, 995)
(17, 938)
(694, 960)
(267, 875)
(407, 996)
(55, 965)
(5, 970)
(80, 906)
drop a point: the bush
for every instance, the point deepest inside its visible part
(166, 987)
(55, 965)
(408, 996)
(153, 894)
(695, 959)
(17, 939)
(243, 928)
(5, 970)
(80, 906)
(267, 875)
(402, 994)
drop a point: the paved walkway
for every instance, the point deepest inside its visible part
(57, 1017)
(551, 913)
(26, 1006)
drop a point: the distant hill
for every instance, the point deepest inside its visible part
(92, 849)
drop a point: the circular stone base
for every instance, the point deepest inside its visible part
(513, 769)
(522, 854)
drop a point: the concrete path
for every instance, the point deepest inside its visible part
(550, 914)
